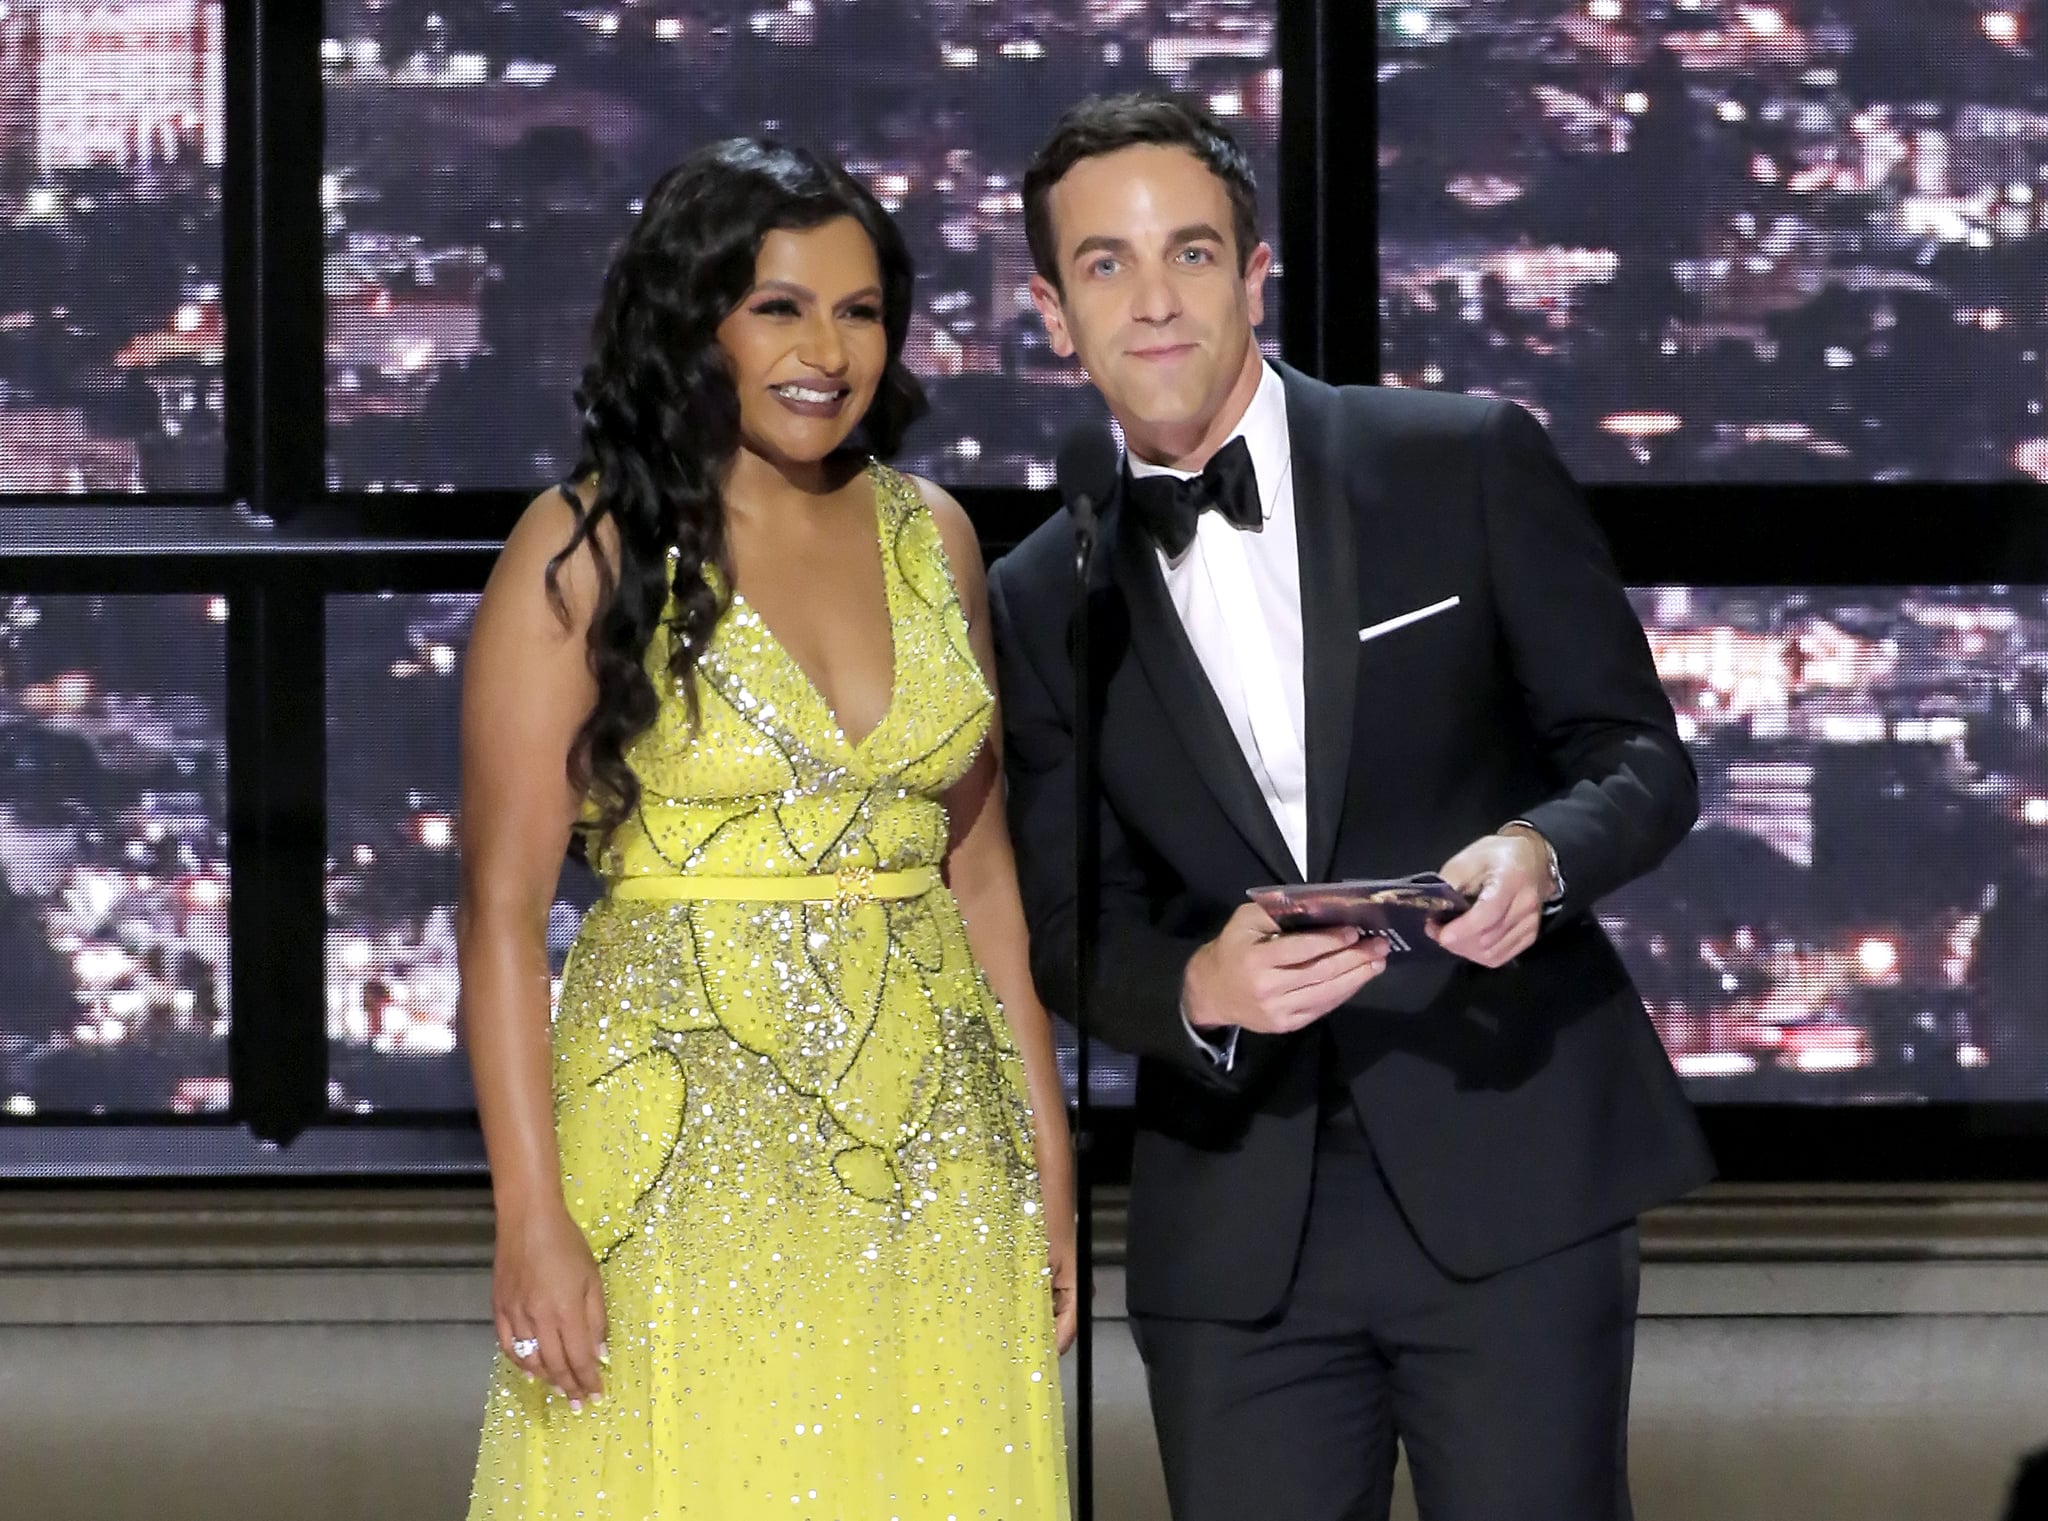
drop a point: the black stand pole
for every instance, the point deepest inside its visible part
(1087, 900)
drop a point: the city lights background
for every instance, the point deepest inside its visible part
(110, 247)
(484, 159)
(1862, 914)
(1725, 240)
(394, 776)
(113, 855)
(1704, 240)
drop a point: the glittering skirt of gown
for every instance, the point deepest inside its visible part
(796, 1133)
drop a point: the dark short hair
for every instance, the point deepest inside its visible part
(1110, 123)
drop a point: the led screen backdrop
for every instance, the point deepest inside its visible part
(1861, 913)
(1717, 240)
(394, 775)
(110, 246)
(1860, 916)
(483, 160)
(113, 855)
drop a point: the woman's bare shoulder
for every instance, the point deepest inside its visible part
(542, 538)
(956, 530)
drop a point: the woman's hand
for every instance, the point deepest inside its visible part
(549, 1302)
(1054, 1153)
(1066, 1297)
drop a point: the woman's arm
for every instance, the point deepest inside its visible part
(526, 689)
(983, 876)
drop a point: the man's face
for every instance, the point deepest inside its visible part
(1151, 297)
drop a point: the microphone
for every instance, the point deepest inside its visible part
(1087, 464)
(1086, 467)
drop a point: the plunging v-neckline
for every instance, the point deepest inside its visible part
(889, 607)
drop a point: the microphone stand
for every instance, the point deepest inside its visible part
(1087, 905)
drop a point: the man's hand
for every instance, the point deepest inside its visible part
(1256, 976)
(1507, 877)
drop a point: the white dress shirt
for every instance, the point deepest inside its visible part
(1238, 594)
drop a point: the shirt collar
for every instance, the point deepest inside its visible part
(1264, 430)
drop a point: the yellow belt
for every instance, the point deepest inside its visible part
(849, 888)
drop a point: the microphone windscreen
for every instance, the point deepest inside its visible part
(1087, 464)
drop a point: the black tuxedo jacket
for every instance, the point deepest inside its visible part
(1513, 1111)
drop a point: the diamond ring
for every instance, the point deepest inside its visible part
(526, 1346)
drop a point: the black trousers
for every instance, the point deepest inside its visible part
(1510, 1393)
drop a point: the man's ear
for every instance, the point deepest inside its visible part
(1256, 268)
(1053, 315)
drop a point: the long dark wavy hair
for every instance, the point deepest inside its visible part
(661, 421)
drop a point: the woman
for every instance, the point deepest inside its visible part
(774, 1200)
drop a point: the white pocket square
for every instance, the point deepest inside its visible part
(1388, 625)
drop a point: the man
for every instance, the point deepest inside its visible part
(1369, 1197)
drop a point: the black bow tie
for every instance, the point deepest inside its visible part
(1169, 506)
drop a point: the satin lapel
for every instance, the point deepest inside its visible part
(1191, 707)
(1326, 537)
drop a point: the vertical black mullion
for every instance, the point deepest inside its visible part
(1347, 191)
(1299, 214)
(241, 264)
(282, 1028)
(254, 1078)
(291, 255)
(296, 708)
(277, 729)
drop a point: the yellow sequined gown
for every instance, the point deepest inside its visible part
(797, 1133)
